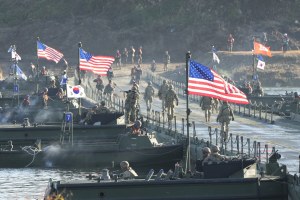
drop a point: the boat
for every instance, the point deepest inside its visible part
(101, 126)
(243, 178)
(140, 150)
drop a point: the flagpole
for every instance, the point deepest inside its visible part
(37, 66)
(253, 61)
(79, 77)
(15, 72)
(188, 111)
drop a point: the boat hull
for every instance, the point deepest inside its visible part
(204, 189)
(101, 156)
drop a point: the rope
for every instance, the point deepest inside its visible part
(33, 153)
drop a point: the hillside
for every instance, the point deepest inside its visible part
(103, 26)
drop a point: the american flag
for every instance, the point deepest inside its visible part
(96, 64)
(43, 51)
(205, 82)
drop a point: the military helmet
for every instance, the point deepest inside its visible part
(215, 149)
(124, 164)
(150, 83)
(171, 87)
(164, 81)
(134, 88)
(45, 89)
(137, 124)
(206, 150)
(102, 103)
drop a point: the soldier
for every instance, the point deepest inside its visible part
(132, 53)
(125, 56)
(109, 91)
(153, 66)
(224, 117)
(131, 104)
(230, 41)
(26, 101)
(102, 108)
(138, 74)
(110, 73)
(171, 96)
(132, 74)
(148, 96)
(206, 104)
(285, 42)
(166, 60)
(199, 163)
(99, 84)
(118, 59)
(45, 98)
(60, 94)
(215, 105)
(162, 93)
(140, 55)
(64, 80)
(89, 114)
(127, 172)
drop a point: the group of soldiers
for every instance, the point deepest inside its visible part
(122, 58)
(225, 113)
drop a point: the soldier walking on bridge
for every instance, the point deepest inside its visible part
(171, 96)
(224, 117)
(206, 104)
(131, 104)
(148, 96)
(109, 91)
(162, 93)
(166, 60)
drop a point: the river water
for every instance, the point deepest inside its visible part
(29, 184)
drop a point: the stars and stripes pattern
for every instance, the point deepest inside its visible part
(205, 82)
(96, 64)
(43, 51)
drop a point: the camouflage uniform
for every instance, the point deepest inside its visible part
(109, 91)
(132, 52)
(102, 108)
(140, 56)
(148, 96)
(171, 96)
(224, 117)
(215, 105)
(206, 104)
(166, 60)
(99, 83)
(138, 74)
(162, 93)
(131, 104)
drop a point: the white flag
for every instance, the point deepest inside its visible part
(216, 58)
(15, 55)
(76, 91)
(261, 64)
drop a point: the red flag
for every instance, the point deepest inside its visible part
(261, 49)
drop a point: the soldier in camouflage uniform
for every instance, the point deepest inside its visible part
(171, 96)
(215, 105)
(206, 104)
(102, 108)
(109, 91)
(131, 104)
(215, 156)
(162, 93)
(148, 96)
(224, 117)
(166, 60)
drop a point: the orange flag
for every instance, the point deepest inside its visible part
(261, 49)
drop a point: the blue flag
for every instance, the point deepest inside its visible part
(20, 73)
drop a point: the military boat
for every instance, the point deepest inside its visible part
(141, 150)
